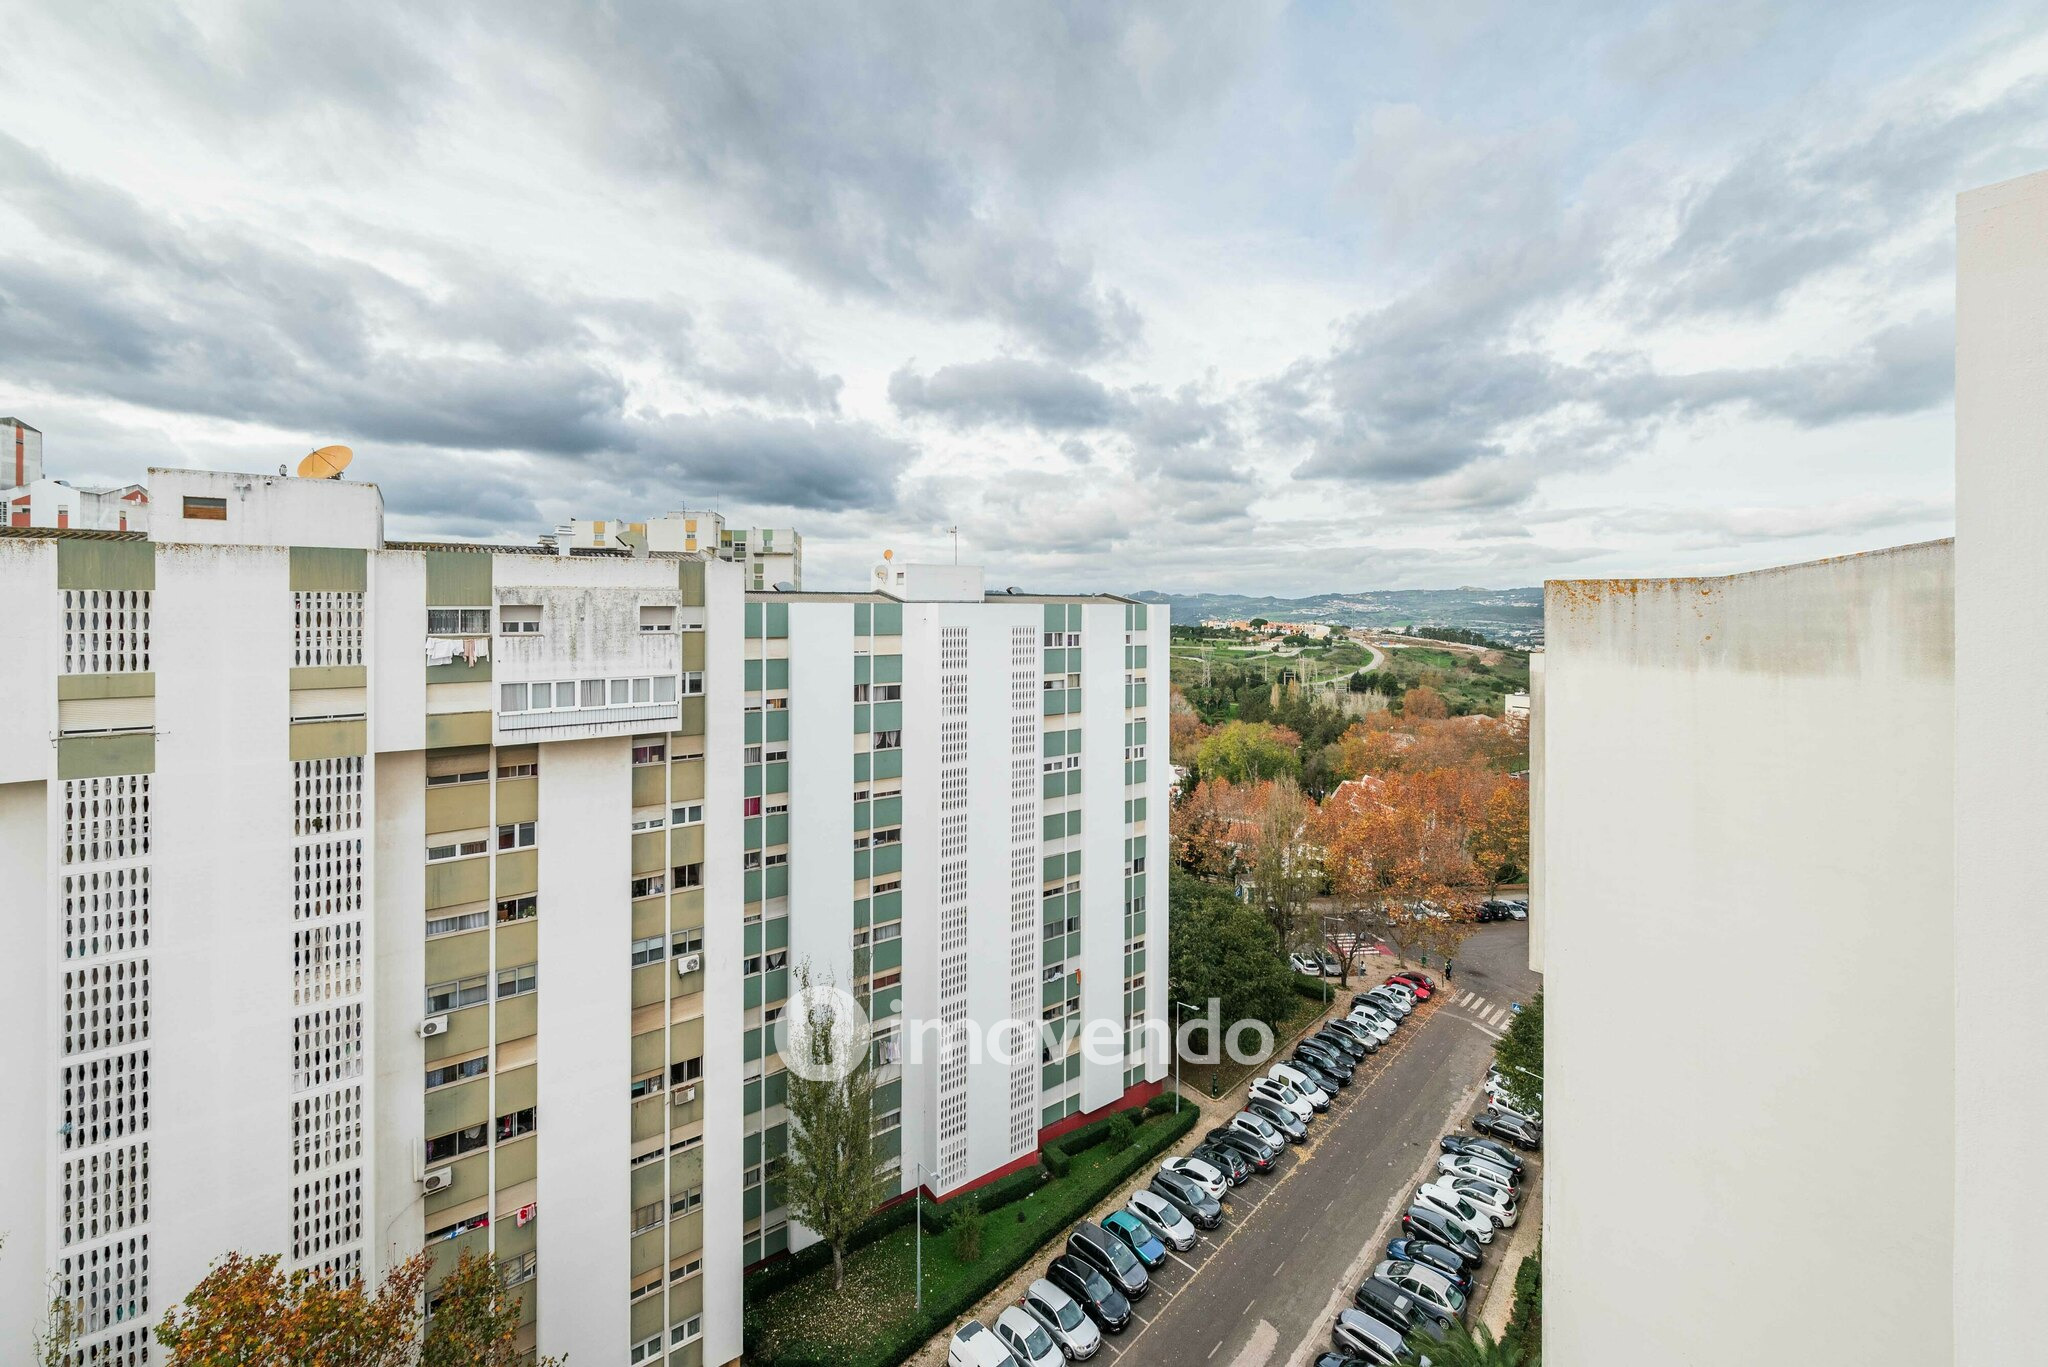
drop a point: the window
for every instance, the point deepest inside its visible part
(456, 995)
(519, 621)
(685, 1072)
(690, 1330)
(461, 849)
(693, 684)
(643, 690)
(645, 1351)
(516, 1270)
(443, 1147)
(517, 908)
(512, 697)
(777, 859)
(1138, 864)
(206, 509)
(888, 740)
(750, 860)
(775, 754)
(459, 1228)
(691, 815)
(1073, 638)
(750, 806)
(1134, 752)
(685, 1202)
(458, 621)
(650, 752)
(657, 617)
(1054, 682)
(443, 780)
(450, 925)
(646, 1086)
(447, 1073)
(889, 692)
(751, 755)
(776, 808)
(652, 885)
(688, 875)
(649, 823)
(649, 950)
(664, 688)
(891, 836)
(648, 1216)
(891, 886)
(777, 704)
(593, 692)
(516, 1124)
(516, 836)
(860, 692)
(527, 770)
(517, 982)
(687, 942)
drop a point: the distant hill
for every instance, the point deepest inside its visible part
(1510, 615)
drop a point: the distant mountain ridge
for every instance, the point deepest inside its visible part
(1514, 615)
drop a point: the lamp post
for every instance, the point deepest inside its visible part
(920, 1173)
(1178, 1007)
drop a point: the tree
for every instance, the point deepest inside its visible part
(1423, 703)
(1396, 851)
(1283, 864)
(1500, 840)
(832, 1175)
(1460, 1345)
(1224, 949)
(247, 1313)
(472, 1320)
(968, 1224)
(1244, 751)
(1204, 831)
(63, 1324)
(1519, 1053)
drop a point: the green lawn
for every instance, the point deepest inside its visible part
(859, 1325)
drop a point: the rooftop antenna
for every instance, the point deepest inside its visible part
(954, 532)
(326, 463)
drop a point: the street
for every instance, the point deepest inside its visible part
(1258, 1289)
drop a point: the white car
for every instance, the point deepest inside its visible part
(1280, 1094)
(1533, 1119)
(1468, 1165)
(1160, 1213)
(1299, 1081)
(1027, 1340)
(1424, 1284)
(1306, 963)
(1382, 1027)
(1203, 1175)
(1491, 1200)
(974, 1346)
(1405, 993)
(1399, 1006)
(1445, 1201)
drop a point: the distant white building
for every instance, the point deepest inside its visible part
(33, 499)
(767, 555)
(1516, 705)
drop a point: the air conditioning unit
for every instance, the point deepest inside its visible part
(688, 963)
(432, 1026)
(438, 1179)
(684, 1095)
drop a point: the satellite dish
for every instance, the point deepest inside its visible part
(326, 463)
(888, 555)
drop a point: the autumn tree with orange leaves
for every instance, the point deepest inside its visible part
(1396, 850)
(1500, 837)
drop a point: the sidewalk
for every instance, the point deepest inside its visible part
(1500, 1293)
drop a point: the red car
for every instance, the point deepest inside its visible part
(1422, 987)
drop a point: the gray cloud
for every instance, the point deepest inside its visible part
(1046, 396)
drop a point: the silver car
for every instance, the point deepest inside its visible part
(1064, 1319)
(1030, 1342)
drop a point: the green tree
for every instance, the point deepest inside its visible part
(1245, 751)
(63, 1323)
(1224, 949)
(472, 1320)
(1519, 1053)
(832, 1176)
(1461, 1345)
(968, 1225)
(247, 1313)
(1285, 867)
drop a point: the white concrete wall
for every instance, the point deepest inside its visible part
(1158, 837)
(2001, 1077)
(724, 948)
(267, 510)
(29, 1061)
(396, 976)
(1102, 845)
(1539, 911)
(583, 1121)
(1748, 785)
(221, 929)
(32, 648)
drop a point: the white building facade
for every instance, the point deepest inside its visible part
(366, 897)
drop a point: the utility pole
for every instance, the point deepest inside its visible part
(919, 1170)
(954, 531)
(1178, 1007)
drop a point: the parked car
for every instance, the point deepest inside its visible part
(1252, 1123)
(1205, 1210)
(1064, 1319)
(1305, 963)
(1390, 1002)
(1402, 992)
(1518, 908)
(1282, 1095)
(1384, 1302)
(1490, 1150)
(1209, 1179)
(1104, 1303)
(1368, 1040)
(1111, 1256)
(1426, 1222)
(1466, 1165)
(1422, 988)
(1379, 1027)
(1367, 1339)
(1027, 1339)
(1226, 1160)
(1494, 1200)
(1425, 1286)
(1141, 1237)
(1334, 1065)
(1278, 1116)
(1316, 1074)
(1254, 1150)
(1454, 1268)
(1340, 1360)
(1345, 1046)
(1328, 962)
(974, 1346)
(1299, 1079)
(1165, 1218)
(1532, 1119)
(1461, 1213)
(1514, 1129)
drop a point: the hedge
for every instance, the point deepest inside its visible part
(1525, 1320)
(1316, 989)
(1060, 1211)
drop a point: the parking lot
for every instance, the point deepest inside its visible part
(1260, 1288)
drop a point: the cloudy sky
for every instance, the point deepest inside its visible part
(1245, 296)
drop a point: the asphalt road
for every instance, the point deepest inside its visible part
(1257, 1289)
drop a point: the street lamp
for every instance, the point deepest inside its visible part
(1178, 1007)
(920, 1173)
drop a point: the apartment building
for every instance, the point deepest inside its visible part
(34, 499)
(1776, 818)
(369, 896)
(769, 557)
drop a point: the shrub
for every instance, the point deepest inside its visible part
(1122, 1131)
(1525, 1321)
(967, 1223)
